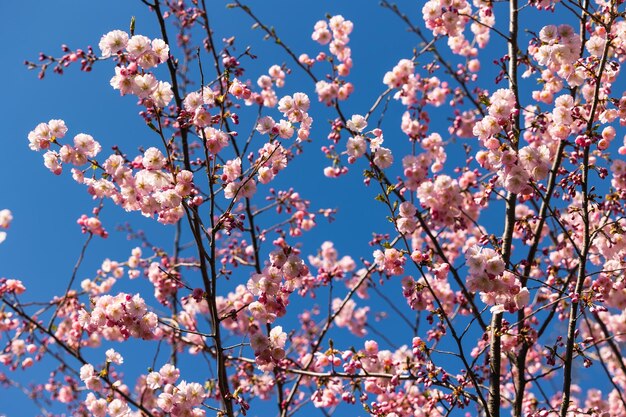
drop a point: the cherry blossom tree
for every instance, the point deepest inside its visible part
(500, 253)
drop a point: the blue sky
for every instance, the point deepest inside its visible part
(44, 241)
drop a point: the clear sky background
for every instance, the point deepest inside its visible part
(44, 240)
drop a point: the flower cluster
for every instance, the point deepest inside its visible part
(391, 394)
(196, 105)
(182, 399)
(382, 157)
(486, 19)
(443, 199)
(356, 146)
(502, 106)
(558, 49)
(336, 33)
(273, 286)
(92, 225)
(337, 38)
(516, 169)
(450, 17)
(413, 89)
(416, 169)
(84, 149)
(445, 17)
(46, 133)
(151, 189)
(563, 122)
(137, 54)
(497, 287)
(267, 97)
(120, 317)
(295, 110)
(406, 222)
(268, 350)
(535, 160)
(13, 286)
(158, 391)
(391, 261)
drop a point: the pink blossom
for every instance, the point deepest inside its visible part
(113, 42)
(383, 158)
